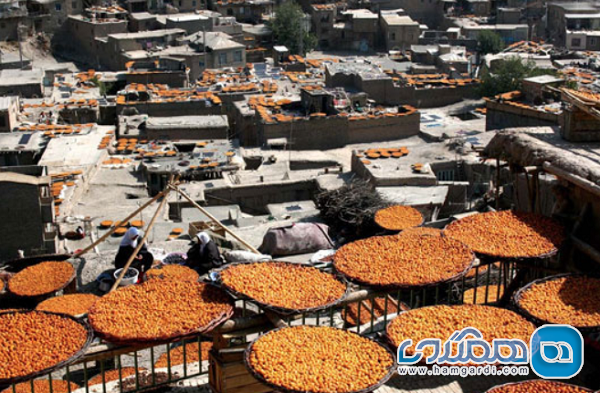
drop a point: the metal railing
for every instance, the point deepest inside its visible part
(363, 311)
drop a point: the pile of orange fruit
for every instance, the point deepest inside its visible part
(284, 285)
(192, 354)
(41, 279)
(387, 152)
(403, 260)
(567, 300)
(319, 360)
(398, 218)
(173, 272)
(43, 386)
(158, 310)
(508, 234)
(34, 341)
(74, 304)
(538, 386)
(114, 375)
(442, 321)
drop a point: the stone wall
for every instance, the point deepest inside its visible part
(500, 116)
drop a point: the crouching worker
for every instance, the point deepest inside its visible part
(204, 254)
(143, 260)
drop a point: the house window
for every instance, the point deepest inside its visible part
(230, 11)
(2, 121)
(592, 41)
(58, 6)
(393, 36)
(237, 56)
(180, 3)
(194, 3)
(74, 5)
(2, 25)
(222, 58)
(343, 34)
(576, 42)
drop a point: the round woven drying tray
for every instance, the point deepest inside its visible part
(224, 316)
(44, 296)
(456, 277)
(280, 389)
(16, 265)
(423, 362)
(539, 322)
(398, 230)
(277, 309)
(58, 366)
(491, 390)
(529, 259)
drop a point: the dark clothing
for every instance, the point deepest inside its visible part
(142, 265)
(205, 260)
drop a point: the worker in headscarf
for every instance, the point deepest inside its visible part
(204, 254)
(142, 261)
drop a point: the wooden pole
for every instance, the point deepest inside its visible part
(141, 243)
(114, 228)
(212, 218)
(572, 178)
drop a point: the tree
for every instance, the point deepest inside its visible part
(490, 42)
(509, 75)
(288, 29)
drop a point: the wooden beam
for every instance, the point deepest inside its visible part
(586, 248)
(571, 178)
(141, 242)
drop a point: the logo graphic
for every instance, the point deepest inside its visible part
(556, 351)
(466, 346)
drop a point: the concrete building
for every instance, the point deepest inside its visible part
(9, 109)
(11, 14)
(23, 83)
(191, 23)
(161, 101)
(21, 148)
(481, 8)
(195, 160)
(399, 30)
(27, 213)
(508, 16)
(49, 15)
(187, 128)
(85, 29)
(562, 17)
(323, 17)
(247, 11)
(583, 40)
(427, 12)
(321, 119)
(142, 21)
(509, 33)
(358, 29)
(221, 49)
(419, 90)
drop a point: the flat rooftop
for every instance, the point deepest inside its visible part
(146, 34)
(21, 141)
(20, 77)
(191, 122)
(74, 151)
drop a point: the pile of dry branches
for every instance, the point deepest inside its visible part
(350, 210)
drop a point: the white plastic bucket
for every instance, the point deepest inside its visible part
(126, 281)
